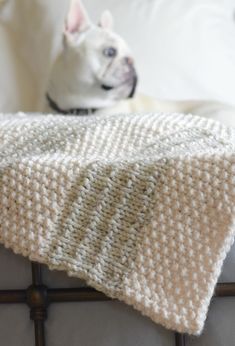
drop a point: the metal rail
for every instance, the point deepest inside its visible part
(38, 297)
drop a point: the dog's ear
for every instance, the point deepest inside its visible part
(106, 20)
(77, 19)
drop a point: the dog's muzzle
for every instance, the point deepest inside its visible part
(129, 83)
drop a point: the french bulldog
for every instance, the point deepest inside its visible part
(95, 73)
(95, 68)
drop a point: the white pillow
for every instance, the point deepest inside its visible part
(184, 48)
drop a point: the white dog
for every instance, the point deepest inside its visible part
(94, 70)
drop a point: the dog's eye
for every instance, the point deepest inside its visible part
(110, 52)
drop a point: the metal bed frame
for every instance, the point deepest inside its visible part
(38, 297)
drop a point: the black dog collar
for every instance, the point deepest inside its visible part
(72, 111)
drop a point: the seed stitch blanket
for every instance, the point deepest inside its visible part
(140, 206)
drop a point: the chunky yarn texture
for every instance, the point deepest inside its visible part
(140, 206)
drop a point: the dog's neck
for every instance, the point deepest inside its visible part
(72, 111)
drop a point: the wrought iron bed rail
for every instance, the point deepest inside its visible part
(39, 297)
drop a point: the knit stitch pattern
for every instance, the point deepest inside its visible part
(140, 206)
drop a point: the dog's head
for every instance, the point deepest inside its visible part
(95, 68)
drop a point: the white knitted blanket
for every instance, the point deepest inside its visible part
(141, 207)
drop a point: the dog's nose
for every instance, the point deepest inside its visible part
(129, 61)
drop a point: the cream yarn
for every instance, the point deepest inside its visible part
(140, 206)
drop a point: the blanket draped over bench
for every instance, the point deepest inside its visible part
(139, 206)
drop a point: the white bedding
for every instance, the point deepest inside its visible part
(139, 206)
